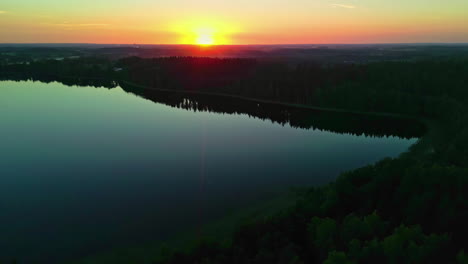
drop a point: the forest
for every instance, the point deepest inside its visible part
(411, 209)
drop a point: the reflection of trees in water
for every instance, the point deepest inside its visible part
(285, 115)
(69, 81)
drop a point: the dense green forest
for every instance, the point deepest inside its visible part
(412, 209)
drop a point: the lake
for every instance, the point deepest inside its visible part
(86, 169)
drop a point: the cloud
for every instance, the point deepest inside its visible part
(344, 6)
(82, 25)
(78, 25)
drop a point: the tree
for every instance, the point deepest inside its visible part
(337, 257)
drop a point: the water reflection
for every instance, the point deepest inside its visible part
(338, 122)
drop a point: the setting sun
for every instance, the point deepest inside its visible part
(204, 33)
(205, 39)
(205, 36)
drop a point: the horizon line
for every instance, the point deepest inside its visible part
(274, 44)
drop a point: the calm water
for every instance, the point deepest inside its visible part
(86, 169)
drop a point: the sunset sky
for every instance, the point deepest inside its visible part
(233, 22)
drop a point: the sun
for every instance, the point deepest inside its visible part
(205, 39)
(205, 33)
(206, 36)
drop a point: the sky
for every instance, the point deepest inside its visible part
(233, 22)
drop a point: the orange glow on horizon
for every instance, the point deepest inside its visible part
(204, 33)
(332, 23)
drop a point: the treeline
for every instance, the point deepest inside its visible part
(243, 77)
(185, 73)
(85, 71)
(420, 87)
(85, 67)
